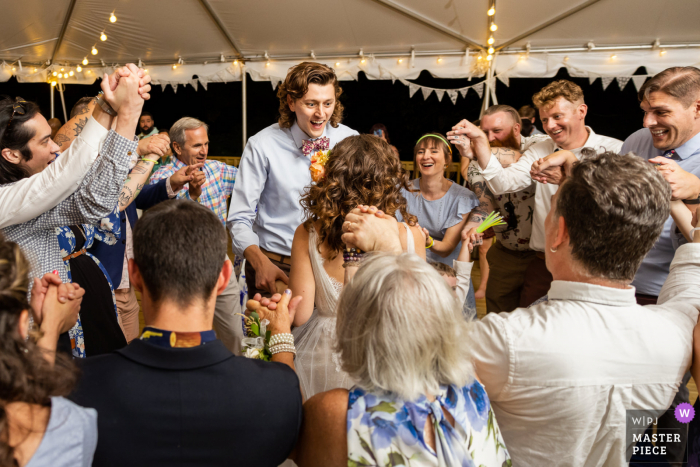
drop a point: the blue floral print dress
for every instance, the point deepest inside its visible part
(108, 232)
(385, 430)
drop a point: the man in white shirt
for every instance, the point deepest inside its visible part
(563, 113)
(504, 265)
(274, 171)
(562, 374)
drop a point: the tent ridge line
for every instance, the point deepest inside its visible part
(427, 22)
(222, 28)
(64, 27)
(548, 23)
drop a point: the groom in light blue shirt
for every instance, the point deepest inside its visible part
(274, 171)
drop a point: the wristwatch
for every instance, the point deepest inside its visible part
(105, 105)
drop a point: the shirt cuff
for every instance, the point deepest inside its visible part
(169, 189)
(241, 239)
(493, 169)
(462, 268)
(93, 133)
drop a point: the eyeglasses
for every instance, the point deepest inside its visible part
(17, 108)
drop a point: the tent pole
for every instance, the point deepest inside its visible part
(51, 91)
(487, 92)
(63, 103)
(245, 104)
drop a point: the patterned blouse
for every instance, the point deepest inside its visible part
(108, 233)
(384, 429)
(95, 199)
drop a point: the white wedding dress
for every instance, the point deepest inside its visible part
(316, 362)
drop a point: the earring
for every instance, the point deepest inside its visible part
(553, 250)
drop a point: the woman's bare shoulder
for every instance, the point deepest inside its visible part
(323, 439)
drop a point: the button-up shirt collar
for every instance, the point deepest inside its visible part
(689, 148)
(592, 293)
(299, 135)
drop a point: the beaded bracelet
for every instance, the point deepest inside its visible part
(352, 257)
(285, 338)
(279, 348)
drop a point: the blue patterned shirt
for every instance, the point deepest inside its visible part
(216, 189)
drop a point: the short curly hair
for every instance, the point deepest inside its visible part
(361, 169)
(296, 85)
(572, 92)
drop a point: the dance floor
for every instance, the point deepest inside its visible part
(480, 311)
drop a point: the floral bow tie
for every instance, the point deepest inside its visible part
(321, 144)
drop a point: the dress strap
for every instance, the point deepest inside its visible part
(410, 243)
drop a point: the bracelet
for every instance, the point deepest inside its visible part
(105, 105)
(352, 257)
(692, 232)
(279, 348)
(149, 160)
(432, 242)
(282, 338)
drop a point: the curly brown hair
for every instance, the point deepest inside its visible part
(25, 373)
(572, 92)
(296, 85)
(361, 169)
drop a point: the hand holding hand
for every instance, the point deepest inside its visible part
(279, 310)
(684, 185)
(125, 96)
(155, 146)
(371, 232)
(472, 237)
(184, 175)
(59, 317)
(41, 286)
(198, 179)
(554, 168)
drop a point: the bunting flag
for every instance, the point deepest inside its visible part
(194, 83)
(453, 95)
(606, 80)
(504, 79)
(163, 85)
(622, 81)
(439, 93)
(412, 89)
(638, 80)
(479, 88)
(426, 92)
(592, 77)
(464, 92)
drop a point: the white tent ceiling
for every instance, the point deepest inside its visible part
(445, 35)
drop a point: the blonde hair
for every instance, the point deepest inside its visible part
(400, 329)
(572, 92)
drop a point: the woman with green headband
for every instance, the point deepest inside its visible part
(441, 206)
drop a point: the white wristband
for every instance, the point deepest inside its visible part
(692, 233)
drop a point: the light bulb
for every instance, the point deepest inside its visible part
(494, 27)
(439, 59)
(103, 37)
(94, 51)
(337, 64)
(13, 68)
(112, 19)
(401, 60)
(613, 57)
(62, 69)
(662, 53)
(489, 57)
(85, 61)
(491, 50)
(34, 70)
(491, 40)
(146, 70)
(70, 73)
(174, 67)
(267, 64)
(55, 73)
(53, 83)
(479, 57)
(491, 12)
(60, 75)
(566, 59)
(79, 68)
(235, 62)
(363, 60)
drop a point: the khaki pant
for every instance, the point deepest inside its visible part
(506, 277)
(128, 309)
(227, 324)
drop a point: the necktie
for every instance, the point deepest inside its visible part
(309, 146)
(672, 154)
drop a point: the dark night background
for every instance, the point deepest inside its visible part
(611, 112)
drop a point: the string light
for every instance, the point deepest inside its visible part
(491, 12)
(79, 69)
(662, 53)
(489, 57)
(53, 83)
(479, 57)
(235, 62)
(85, 61)
(337, 64)
(493, 27)
(491, 50)
(94, 50)
(613, 57)
(34, 70)
(566, 59)
(112, 19)
(491, 40)
(439, 59)
(70, 73)
(174, 67)
(13, 68)
(103, 36)
(363, 60)
(60, 75)
(401, 60)
(55, 73)
(62, 69)
(267, 64)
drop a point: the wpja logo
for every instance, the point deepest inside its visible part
(658, 435)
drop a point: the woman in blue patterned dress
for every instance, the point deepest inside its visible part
(416, 399)
(97, 330)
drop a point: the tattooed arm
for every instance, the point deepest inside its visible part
(135, 182)
(73, 127)
(486, 201)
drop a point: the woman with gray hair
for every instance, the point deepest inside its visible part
(402, 338)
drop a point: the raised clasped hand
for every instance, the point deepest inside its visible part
(369, 229)
(155, 146)
(553, 168)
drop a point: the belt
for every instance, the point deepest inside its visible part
(540, 254)
(75, 255)
(276, 257)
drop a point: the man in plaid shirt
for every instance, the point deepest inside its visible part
(212, 185)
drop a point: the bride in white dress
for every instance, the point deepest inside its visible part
(361, 170)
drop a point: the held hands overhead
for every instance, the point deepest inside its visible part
(126, 89)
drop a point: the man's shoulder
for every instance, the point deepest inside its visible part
(343, 131)
(273, 131)
(528, 141)
(607, 143)
(544, 147)
(640, 139)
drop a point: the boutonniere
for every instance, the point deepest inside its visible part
(318, 165)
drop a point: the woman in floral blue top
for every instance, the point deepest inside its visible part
(416, 401)
(97, 330)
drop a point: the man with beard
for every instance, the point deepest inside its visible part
(147, 125)
(563, 114)
(503, 266)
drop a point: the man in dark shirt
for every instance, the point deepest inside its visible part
(177, 396)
